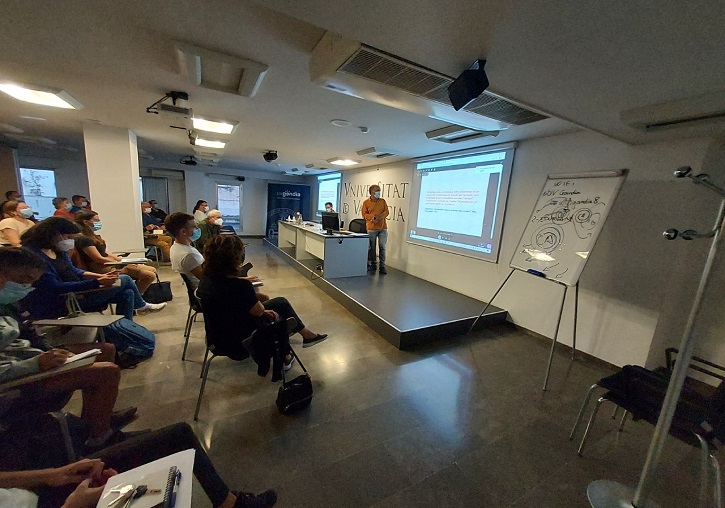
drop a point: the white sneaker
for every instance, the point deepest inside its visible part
(150, 307)
(288, 366)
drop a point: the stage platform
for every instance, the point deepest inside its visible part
(405, 310)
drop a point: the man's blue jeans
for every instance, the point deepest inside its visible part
(126, 297)
(382, 236)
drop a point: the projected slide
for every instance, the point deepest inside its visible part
(328, 190)
(460, 203)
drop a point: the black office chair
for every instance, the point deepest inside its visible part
(357, 226)
(194, 310)
(699, 419)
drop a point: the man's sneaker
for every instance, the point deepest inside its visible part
(314, 340)
(383, 271)
(150, 307)
(372, 268)
(248, 500)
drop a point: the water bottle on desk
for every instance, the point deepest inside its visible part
(298, 218)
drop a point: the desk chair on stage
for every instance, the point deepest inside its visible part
(357, 226)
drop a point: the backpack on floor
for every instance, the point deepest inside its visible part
(130, 338)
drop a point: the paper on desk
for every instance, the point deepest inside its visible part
(81, 356)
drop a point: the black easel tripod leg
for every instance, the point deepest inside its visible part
(490, 301)
(553, 341)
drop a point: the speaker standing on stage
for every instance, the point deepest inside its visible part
(374, 211)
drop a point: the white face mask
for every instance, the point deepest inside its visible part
(218, 222)
(65, 245)
(84, 203)
(147, 210)
(67, 206)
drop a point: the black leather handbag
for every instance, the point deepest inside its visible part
(158, 292)
(296, 394)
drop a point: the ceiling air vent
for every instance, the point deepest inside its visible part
(218, 71)
(704, 110)
(457, 134)
(353, 68)
(376, 153)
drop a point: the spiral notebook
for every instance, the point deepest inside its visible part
(157, 475)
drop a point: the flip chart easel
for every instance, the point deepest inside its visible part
(560, 235)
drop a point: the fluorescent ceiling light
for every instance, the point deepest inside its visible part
(457, 134)
(210, 143)
(216, 126)
(41, 95)
(342, 162)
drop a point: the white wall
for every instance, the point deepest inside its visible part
(629, 276)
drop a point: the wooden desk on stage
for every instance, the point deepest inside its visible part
(343, 255)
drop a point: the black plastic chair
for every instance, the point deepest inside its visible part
(699, 419)
(194, 310)
(357, 226)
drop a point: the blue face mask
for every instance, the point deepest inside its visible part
(377, 194)
(26, 212)
(13, 292)
(196, 234)
(97, 226)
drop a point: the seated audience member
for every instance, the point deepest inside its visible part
(88, 476)
(13, 195)
(209, 227)
(51, 240)
(17, 221)
(200, 211)
(91, 254)
(230, 303)
(62, 208)
(156, 211)
(328, 207)
(79, 203)
(98, 382)
(150, 224)
(185, 258)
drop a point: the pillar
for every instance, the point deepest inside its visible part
(113, 181)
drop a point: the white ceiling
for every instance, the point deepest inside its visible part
(582, 61)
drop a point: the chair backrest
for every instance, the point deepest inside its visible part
(357, 226)
(190, 291)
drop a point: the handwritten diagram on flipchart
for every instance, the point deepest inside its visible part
(565, 224)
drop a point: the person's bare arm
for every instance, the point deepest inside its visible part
(258, 310)
(72, 473)
(92, 252)
(197, 272)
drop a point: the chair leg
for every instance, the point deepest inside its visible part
(204, 363)
(614, 413)
(205, 373)
(62, 421)
(621, 424)
(581, 410)
(590, 423)
(704, 470)
(187, 332)
(718, 482)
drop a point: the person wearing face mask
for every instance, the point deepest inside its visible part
(51, 240)
(156, 211)
(62, 208)
(90, 252)
(328, 207)
(151, 224)
(19, 268)
(209, 227)
(17, 222)
(374, 211)
(79, 203)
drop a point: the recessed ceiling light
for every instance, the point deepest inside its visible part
(41, 95)
(209, 143)
(340, 123)
(216, 126)
(342, 162)
(33, 118)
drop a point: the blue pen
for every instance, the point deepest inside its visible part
(176, 488)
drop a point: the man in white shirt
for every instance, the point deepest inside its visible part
(185, 258)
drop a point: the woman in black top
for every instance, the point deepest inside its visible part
(231, 308)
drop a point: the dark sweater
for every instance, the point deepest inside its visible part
(47, 302)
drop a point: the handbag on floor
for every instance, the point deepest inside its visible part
(158, 292)
(130, 338)
(296, 394)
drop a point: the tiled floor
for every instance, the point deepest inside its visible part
(462, 422)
